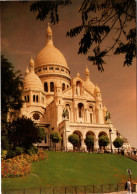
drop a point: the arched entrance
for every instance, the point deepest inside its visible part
(80, 139)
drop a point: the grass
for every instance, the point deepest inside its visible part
(65, 169)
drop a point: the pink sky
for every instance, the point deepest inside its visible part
(23, 37)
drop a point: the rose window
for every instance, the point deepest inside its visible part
(36, 116)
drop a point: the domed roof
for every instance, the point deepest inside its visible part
(31, 80)
(89, 86)
(97, 89)
(50, 54)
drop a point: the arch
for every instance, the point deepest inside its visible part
(46, 87)
(63, 87)
(33, 98)
(78, 87)
(36, 115)
(52, 86)
(37, 98)
(80, 110)
(80, 137)
(67, 106)
(90, 133)
(102, 133)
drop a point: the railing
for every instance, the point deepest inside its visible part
(71, 189)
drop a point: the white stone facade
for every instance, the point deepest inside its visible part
(49, 89)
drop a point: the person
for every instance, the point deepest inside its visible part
(129, 186)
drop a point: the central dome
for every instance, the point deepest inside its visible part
(49, 54)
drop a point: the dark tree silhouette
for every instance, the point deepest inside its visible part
(99, 20)
(55, 138)
(118, 142)
(89, 141)
(11, 88)
(74, 140)
(103, 141)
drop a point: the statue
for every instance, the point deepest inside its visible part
(78, 90)
(65, 113)
(108, 116)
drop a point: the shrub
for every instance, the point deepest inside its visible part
(19, 150)
(4, 154)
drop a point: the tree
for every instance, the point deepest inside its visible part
(89, 141)
(11, 88)
(55, 138)
(23, 133)
(74, 140)
(99, 20)
(118, 142)
(103, 141)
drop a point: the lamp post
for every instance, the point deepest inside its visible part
(110, 130)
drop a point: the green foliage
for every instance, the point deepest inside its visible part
(19, 150)
(89, 141)
(99, 19)
(103, 141)
(32, 150)
(55, 138)
(118, 142)
(74, 140)
(11, 88)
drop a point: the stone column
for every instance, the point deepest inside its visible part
(96, 144)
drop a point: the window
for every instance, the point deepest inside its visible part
(62, 69)
(63, 87)
(27, 98)
(90, 117)
(37, 98)
(80, 107)
(67, 86)
(56, 68)
(49, 37)
(52, 86)
(46, 87)
(39, 70)
(35, 71)
(50, 68)
(44, 68)
(36, 116)
(33, 98)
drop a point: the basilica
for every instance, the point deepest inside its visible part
(57, 102)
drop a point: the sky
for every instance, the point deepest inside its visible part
(22, 36)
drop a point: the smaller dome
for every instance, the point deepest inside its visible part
(97, 89)
(89, 86)
(32, 81)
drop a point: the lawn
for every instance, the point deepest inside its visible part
(65, 169)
